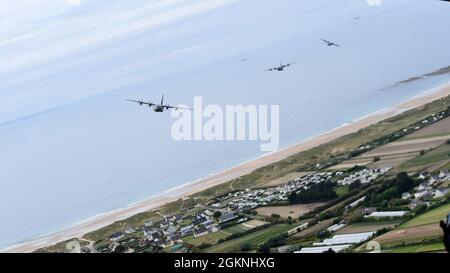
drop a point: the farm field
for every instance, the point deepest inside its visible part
(312, 231)
(213, 238)
(395, 153)
(431, 217)
(294, 211)
(410, 235)
(439, 128)
(439, 156)
(254, 239)
(417, 248)
(366, 227)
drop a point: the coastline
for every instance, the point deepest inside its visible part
(102, 220)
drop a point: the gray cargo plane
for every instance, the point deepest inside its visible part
(279, 68)
(328, 43)
(159, 108)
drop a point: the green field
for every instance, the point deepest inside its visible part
(341, 190)
(441, 153)
(213, 238)
(433, 216)
(417, 248)
(254, 239)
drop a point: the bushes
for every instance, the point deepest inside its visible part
(276, 241)
(204, 246)
(217, 214)
(323, 234)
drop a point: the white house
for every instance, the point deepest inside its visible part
(406, 196)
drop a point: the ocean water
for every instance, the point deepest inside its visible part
(71, 147)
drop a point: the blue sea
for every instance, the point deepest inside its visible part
(71, 147)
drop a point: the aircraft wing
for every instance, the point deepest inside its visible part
(270, 69)
(141, 102)
(291, 64)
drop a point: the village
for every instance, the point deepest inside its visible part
(169, 232)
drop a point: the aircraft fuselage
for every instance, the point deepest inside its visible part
(158, 108)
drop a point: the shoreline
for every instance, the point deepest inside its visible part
(104, 219)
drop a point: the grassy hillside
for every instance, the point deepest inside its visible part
(431, 217)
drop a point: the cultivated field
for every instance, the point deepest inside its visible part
(431, 217)
(410, 235)
(439, 128)
(430, 161)
(417, 248)
(253, 239)
(395, 153)
(213, 238)
(366, 227)
(294, 211)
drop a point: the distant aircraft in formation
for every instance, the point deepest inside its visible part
(162, 107)
(279, 68)
(159, 108)
(328, 43)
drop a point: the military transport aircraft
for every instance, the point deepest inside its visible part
(328, 43)
(279, 68)
(159, 108)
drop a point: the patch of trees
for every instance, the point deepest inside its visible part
(391, 189)
(355, 185)
(217, 214)
(204, 246)
(275, 241)
(317, 193)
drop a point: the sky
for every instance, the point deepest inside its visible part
(72, 147)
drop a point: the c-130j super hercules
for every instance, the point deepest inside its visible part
(159, 108)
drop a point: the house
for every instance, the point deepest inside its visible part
(432, 180)
(199, 219)
(366, 211)
(148, 223)
(227, 217)
(117, 236)
(443, 174)
(170, 230)
(187, 230)
(200, 230)
(149, 232)
(416, 203)
(441, 192)
(209, 213)
(423, 194)
(406, 196)
(424, 175)
(208, 223)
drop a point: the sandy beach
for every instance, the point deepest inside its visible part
(94, 223)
